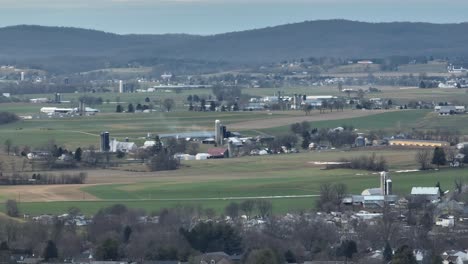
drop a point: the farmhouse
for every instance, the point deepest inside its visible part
(417, 143)
(116, 146)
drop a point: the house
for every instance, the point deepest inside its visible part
(456, 255)
(417, 143)
(445, 221)
(430, 193)
(218, 153)
(447, 259)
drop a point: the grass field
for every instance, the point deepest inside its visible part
(212, 183)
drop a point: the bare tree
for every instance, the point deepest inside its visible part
(265, 208)
(423, 157)
(247, 207)
(232, 210)
(340, 190)
(459, 185)
(451, 154)
(168, 104)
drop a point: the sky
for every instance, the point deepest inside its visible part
(207, 17)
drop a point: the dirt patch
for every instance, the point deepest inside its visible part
(272, 121)
(46, 193)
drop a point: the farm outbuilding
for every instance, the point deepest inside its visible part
(218, 153)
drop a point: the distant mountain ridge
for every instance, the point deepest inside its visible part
(334, 38)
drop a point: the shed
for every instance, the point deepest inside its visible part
(218, 153)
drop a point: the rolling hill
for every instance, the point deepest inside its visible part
(334, 38)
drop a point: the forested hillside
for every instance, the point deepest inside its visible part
(80, 49)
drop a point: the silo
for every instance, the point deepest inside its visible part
(388, 187)
(383, 182)
(218, 136)
(121, 86)
(105, 141)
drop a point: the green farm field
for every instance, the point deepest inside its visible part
(294, 180)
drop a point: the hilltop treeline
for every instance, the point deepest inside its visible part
(72, 49)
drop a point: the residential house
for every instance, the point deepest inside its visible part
(447, 259)
(445, 221)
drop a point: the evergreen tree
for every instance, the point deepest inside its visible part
(203, 105)
(50, 251)
(131, 109)
(126, 234)
(422, 84)
(387, 253)
(440, 189)
(78, 154)
(212, 106)
(289, 257)
(347, 249)
(305, 142)
(119, 109)
(404, 255)
(439, 157)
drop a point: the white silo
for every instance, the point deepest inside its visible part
(121, 86)
(383, 181)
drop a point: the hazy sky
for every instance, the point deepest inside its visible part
(216, 16)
